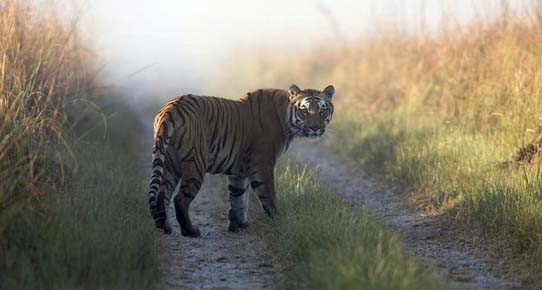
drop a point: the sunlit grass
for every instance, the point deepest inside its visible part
(322, 243)
(44, 70)
(455, 168)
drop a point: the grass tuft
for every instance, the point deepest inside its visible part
(328, 245)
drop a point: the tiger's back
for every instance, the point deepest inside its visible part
(221, 131)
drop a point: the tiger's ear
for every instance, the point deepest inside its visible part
(329, 91)
(294, 90)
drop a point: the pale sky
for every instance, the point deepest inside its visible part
(182, 43)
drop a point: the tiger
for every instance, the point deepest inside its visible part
(242, 139)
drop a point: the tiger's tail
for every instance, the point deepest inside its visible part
(156, 200)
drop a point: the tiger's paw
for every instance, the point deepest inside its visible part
(166, 228)
(163, 224)
(193, 233)
(270, 210)
(237, 226)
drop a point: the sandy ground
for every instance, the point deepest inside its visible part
(218, 259)
(460, 259)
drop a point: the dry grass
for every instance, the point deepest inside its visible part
(58, 229)
(44, 69)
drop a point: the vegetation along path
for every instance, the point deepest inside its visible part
(454, 257)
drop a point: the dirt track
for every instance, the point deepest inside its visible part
(219, 259)
(456, 258)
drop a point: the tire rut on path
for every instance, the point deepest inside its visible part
(218, 259)
(451, 257)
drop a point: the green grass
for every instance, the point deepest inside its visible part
(93, 234)
(465, 171)
(321, 243)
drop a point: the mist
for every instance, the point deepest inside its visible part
(159, 49)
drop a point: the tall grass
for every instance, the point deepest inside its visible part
(440, 114)
(95, 232)
(71, 212)
(44, 68)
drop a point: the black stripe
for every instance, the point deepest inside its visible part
(236, 191)
(189, 155)
(255, 184)
(189, 107)
(188, 194)
(196, 182)
(180, 139)
(231, 156)
(228, 170)
(157, 162)
(170, 118)
(219, 167)
(180, 113)
(168, 183)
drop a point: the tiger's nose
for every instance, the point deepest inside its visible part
(314, 127)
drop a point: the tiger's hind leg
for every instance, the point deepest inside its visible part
(190, 185)
(165, 191)
(238, 203)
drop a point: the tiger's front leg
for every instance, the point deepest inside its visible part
(263, 183)
(238, 203)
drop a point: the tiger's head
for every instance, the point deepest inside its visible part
(310, 111)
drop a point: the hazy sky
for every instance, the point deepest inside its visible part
(171, 46)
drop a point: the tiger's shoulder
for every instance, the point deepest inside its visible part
(265, 94)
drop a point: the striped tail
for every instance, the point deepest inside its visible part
(157, 203)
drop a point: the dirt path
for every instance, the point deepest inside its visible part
(219, 259)
(457, 259)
